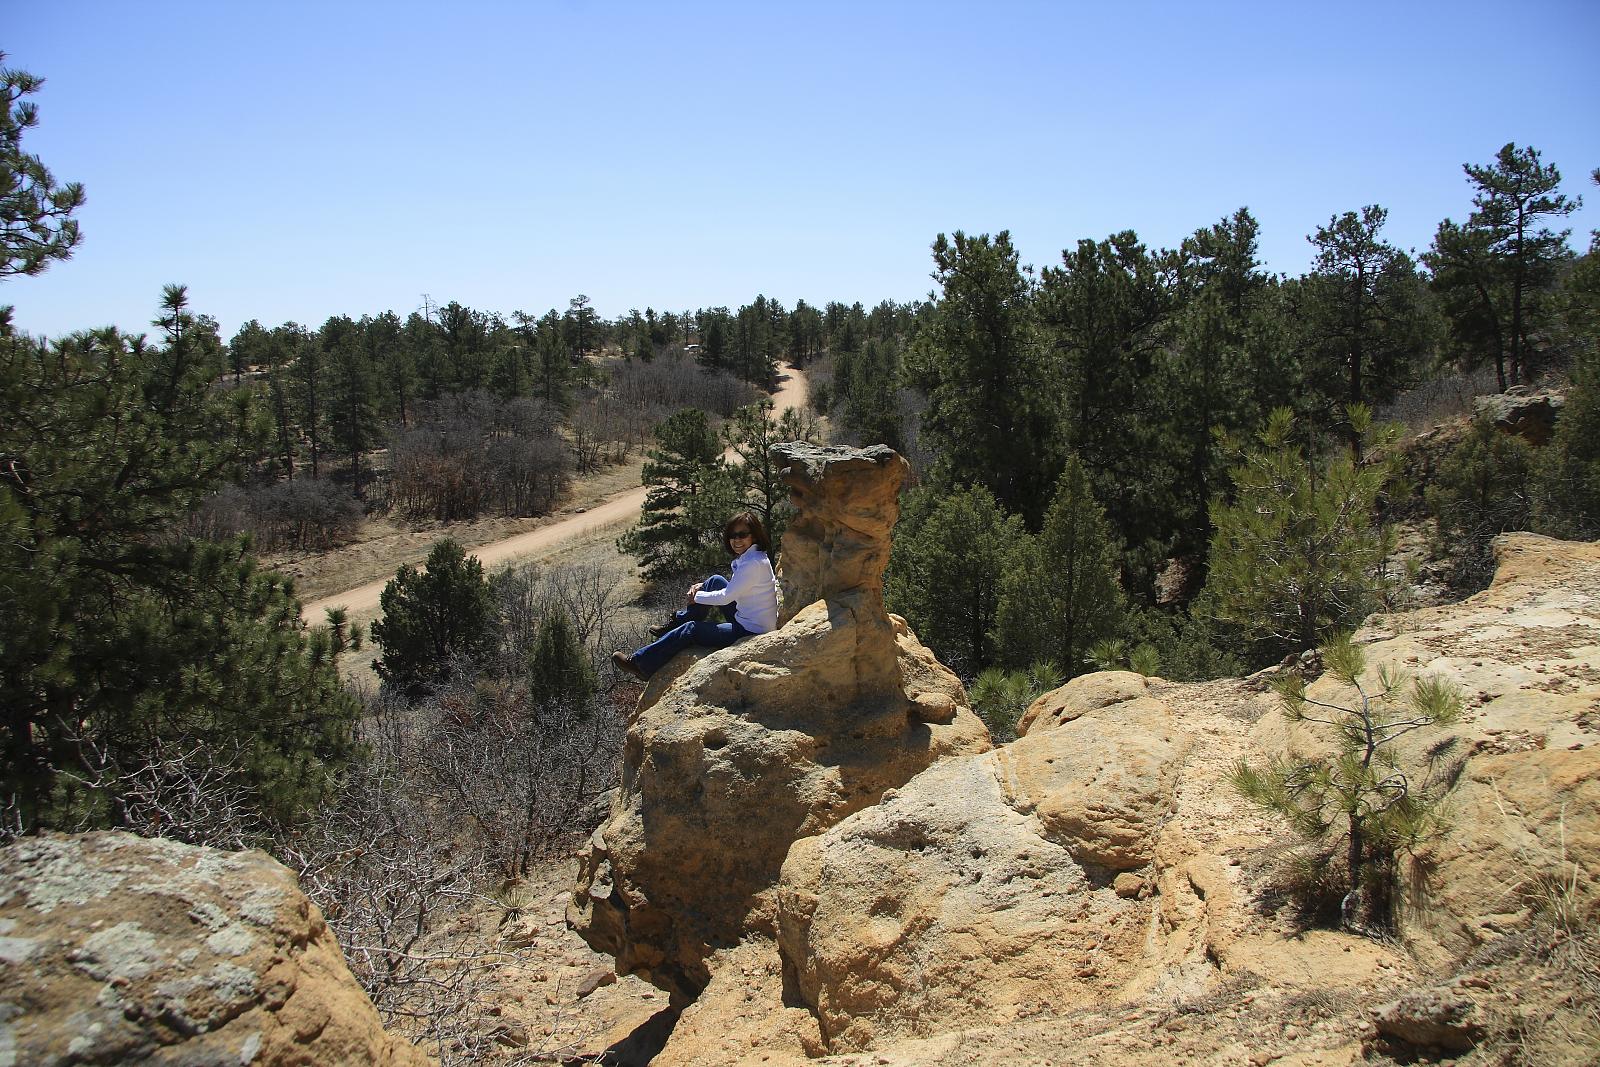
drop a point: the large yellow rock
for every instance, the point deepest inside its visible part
(121, 949)
(986, 886)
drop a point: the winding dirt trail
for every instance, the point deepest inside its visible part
(615, 511)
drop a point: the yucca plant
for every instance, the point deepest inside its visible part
(1113, 654)
(1362, 791)
(1000, 696)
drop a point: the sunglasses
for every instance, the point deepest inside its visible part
(740, 535)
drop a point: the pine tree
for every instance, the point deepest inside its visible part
(990, 394)
(38, 227)
(579, 326)
(1567, 481)
(687, 488)
(127, 646)
(351, 390)
(1062, 595)
(250, 347)
(1217, 359)
(868, 384)
(559, 672)
(1299, 552)
(1367, 318)
(464, 337)
(394, 365)
(1497, 271)
(1482, 488)
(1104, 313)
(308, 371)
(1363, 790)
(434, 620)
(281, 389)
(750, 435)
(949, 556)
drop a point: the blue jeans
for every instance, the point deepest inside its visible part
(692, 630)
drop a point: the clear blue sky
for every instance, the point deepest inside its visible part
(292, 161)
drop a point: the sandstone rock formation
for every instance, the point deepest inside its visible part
(1096, 891)
(732, 756)
(987, 884)
(119, 949)
(1526, 651)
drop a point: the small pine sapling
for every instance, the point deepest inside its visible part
(1363, 791)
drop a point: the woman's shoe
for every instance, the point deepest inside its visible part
(623, 662)
(664, 629)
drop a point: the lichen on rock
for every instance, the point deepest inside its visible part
(126, 949)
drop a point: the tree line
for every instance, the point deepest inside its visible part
(552, 394)
(1100, 440)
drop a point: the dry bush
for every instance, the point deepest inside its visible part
(1429, 403)
(675, 382)
(388, 883)
(471, 453)
(525, 777)
(306, 515)
(458, 794)
(617, 419)
(1554, 1017)
(585, 593)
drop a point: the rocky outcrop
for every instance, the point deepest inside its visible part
(1525, 814)
(731, 757)
(987, 884)
(816, 850)
(1529, 415)
(119, 949)
(1097, 889)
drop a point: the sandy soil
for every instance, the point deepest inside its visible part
(602, 507)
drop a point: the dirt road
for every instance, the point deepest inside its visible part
(617, 511)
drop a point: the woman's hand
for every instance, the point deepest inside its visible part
(693, 589)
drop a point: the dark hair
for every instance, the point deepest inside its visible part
(758, 532)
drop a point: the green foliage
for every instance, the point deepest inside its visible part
(989, 388)
(1567, 482)
(691, 495)
(434, 621)
(1362, 792)
(1103, 313)
(945, 567)
(1482, 488)
(351, 390)
(1496, 273)
(1186, 647)
(36, 223)
(1299, 552)
(1061, 594)
(1115, 654)
(1000, 696)
(129, 651)
(750, 435)
(307, 374)
(559, 671)
(1364, 314)
(866, 390)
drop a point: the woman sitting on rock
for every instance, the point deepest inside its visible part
(749, 598)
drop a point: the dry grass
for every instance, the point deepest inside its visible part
(1550, 971)
(1440, 399)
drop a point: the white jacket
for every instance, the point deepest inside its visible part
(755, 589)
